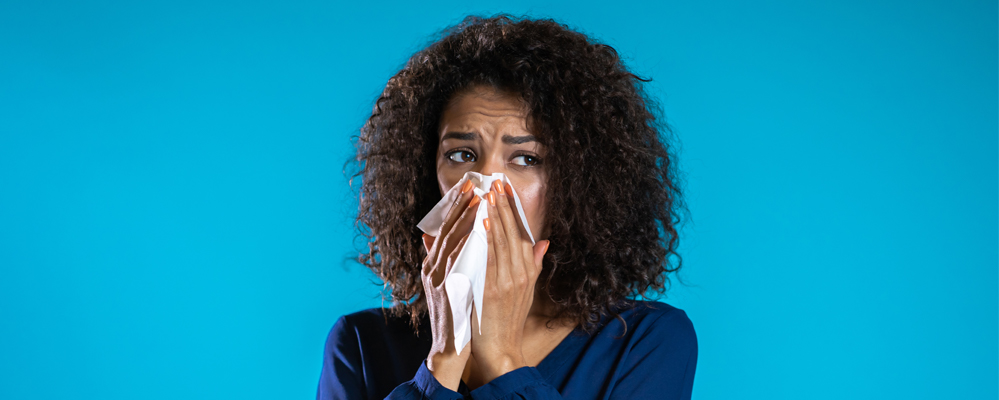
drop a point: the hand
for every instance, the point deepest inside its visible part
(512, 269)
(444, 362)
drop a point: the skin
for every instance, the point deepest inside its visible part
(486, 131)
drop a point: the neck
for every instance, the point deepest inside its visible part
(542, 310)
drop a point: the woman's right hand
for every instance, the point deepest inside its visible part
(444, 362)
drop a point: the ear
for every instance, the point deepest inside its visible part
(428, 242)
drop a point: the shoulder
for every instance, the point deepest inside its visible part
(366, 323)
(375, 331)
(343, 334)
(659, 323)
(371, 352)
(657, 356)
(347, 323)
(372, 317)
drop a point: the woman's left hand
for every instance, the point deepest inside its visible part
(512, 269)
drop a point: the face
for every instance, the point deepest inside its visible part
(485, 131)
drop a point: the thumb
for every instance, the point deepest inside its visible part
(540, 248)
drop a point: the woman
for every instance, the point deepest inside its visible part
(569, 126)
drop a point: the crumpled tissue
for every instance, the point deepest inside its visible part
(466, 280)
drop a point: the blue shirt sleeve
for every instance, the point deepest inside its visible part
(342, 376)
(662, 362)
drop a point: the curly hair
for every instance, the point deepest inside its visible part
(612, 224)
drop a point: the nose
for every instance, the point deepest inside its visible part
(492, 164)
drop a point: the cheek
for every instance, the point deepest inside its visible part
(447, 180)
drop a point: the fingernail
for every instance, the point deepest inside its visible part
(491, 198)
(499, 186)
(547, 243)
(474, 202)
(485, 223)
(468, 186)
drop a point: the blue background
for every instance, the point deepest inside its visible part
(174, 218)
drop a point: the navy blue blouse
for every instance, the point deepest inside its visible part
(370, 355)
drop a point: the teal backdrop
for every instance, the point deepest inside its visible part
(175, 222)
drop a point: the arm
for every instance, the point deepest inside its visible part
(423, 386)
(662, 362)
(513, 266)
(342, 376)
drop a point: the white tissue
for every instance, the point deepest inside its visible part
(466, 280)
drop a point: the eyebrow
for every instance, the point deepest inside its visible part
(507, 139)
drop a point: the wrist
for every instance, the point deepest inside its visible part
(447, 369)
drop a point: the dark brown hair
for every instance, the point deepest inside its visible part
(613, 195)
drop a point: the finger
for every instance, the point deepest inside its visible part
(491, 274)
(513, 207)
(500, 242)
(518, 244)
(437, 249)
(525, 239)
(455, 211)
(428, 243)
(438, 280)
(461, 228)
(527, 249)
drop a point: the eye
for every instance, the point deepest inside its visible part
(526, 160)
(461, 156)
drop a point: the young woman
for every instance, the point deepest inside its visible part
(570, 127)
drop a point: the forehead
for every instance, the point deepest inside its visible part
(484, 108)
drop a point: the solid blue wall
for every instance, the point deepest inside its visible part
(174, 219)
